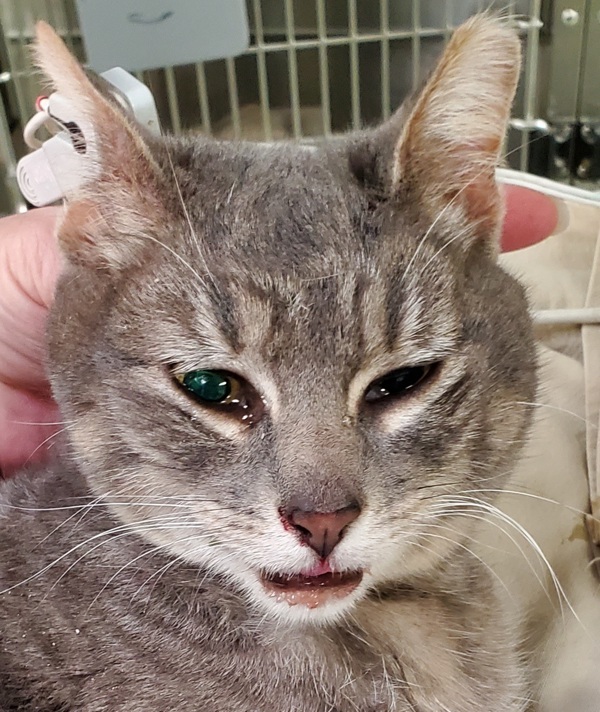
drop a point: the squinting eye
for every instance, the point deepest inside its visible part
(211, 387)
(398, 383)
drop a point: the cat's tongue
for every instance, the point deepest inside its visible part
(313, 588)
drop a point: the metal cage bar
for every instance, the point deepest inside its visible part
(323, 68)
(354, 64)
(448, 19)
(13, 199)
(261, 67)
(203, 97)
(17, 61)
(293, 69)
(172, 99)
(416, 43)
(530, 79)
(234, 104)
(337, 41)
(384, 20)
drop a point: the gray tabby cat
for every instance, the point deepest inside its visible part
(276, 367)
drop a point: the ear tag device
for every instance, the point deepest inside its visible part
(59, 165)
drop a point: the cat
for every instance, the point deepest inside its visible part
(278, 367)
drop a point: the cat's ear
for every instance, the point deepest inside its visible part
(118, 194)
(448, 143)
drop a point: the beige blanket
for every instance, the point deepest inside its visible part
(544, 556)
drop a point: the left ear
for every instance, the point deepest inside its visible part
(118, 201)
(440, 152)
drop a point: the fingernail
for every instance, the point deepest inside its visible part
(562, 214)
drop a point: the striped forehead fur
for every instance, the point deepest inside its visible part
(366, 314)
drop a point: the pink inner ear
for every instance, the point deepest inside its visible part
(483, 204)
(478, 193)
(487, 146)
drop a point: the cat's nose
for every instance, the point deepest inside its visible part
(322, 531)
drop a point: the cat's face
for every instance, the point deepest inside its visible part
(287, 364)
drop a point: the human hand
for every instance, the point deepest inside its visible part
(29, 266)
(530, 217)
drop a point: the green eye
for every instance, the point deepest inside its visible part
(221, 392)
(214, 387)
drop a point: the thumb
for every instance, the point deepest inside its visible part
(29, 251)
(530, 217)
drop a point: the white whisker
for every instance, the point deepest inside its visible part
(474, 503)
(465, 548)
(44, 442)
(558, 410)
(189, 221)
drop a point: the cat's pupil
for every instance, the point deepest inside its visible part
(211, 386)
(397, 382)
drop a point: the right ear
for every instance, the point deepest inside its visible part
(441, 150)
(120, 195)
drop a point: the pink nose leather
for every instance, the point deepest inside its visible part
(322, 531)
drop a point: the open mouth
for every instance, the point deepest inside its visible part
(311, 591)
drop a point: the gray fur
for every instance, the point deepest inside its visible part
(299, 270)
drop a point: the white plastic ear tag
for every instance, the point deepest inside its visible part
(58, 166)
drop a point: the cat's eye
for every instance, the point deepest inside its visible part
(211, 387)
(398, 383)
(222, 390)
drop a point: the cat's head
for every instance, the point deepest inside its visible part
(297, 366)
